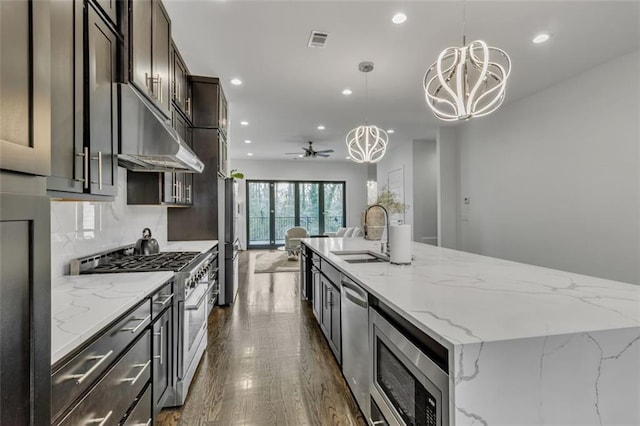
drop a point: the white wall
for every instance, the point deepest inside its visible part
(355, 176)
(553, 179)
(83, 228)
(399, 156)
(448, 164)
(425, 206)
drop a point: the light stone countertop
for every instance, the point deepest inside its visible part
(527, 345)
(81, 305)
(467, 298)
(201, 246)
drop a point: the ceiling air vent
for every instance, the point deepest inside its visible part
(317, 39)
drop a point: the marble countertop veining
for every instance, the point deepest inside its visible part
(82, 305)
(466, 298)
(200, 246)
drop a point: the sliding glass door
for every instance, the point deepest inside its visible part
(276, 206)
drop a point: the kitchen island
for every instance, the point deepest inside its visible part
(526, 344)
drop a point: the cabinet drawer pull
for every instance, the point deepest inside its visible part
(144, 424)
(101, 420)
(137, 327)
(99, 159)
(85, 167)
(161, 334)
(81, 377)
(165, 301)
(135, 379)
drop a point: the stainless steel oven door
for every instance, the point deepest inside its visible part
(195, 326)
(407, 386)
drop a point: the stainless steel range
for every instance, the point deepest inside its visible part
(196, 278)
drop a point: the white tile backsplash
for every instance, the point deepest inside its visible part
(87, 227)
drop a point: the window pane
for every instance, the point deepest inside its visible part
(259, 213)
(310, 207)
(333, 206)
(285, 209)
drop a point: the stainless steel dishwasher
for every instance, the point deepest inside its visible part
(355, 342)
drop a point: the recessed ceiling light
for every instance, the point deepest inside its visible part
(300, 155)
(236, 81)
(247, 141)
(347, 92)
(244, 123)
(399, 18)
(347, 158)
(541, 38)
(321, 127)
(250, 154)
(390, 131)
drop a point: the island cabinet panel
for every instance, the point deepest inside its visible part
(25, 132)
(25, 299)
(317, 293)
(141, 413)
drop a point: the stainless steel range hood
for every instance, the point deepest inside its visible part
(149, 143)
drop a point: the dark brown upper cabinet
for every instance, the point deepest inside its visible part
(150, 43)
(181, 86)
(84, 129)
(25, 133)
(109, 8)
(209, 104)
(102, 102)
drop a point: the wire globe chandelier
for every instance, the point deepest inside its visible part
(467, 81)
(367, 143)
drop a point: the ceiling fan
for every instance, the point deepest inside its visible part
(311, 153)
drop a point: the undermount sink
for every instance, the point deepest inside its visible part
(361, 256)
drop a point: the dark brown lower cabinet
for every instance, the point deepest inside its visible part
(162, 358)
(25, 309)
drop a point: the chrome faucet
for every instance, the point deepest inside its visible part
(384, 247)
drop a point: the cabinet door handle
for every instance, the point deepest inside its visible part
(187, 103)
(101, 420)
(180, 191)
(81, 377)
(165, 301)
(175, 187)
(137, 327)
(99, 159)
(146, 80)
(160, 87)
(85, 167)
(161, 334)
(189, 194)
(142, 370)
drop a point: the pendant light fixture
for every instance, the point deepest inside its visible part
(467, 81)
(368, 143)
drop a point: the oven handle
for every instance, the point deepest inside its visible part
(198, 304)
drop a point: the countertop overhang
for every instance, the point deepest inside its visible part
(464, 298)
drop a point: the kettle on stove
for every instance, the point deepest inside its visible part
(146, 244)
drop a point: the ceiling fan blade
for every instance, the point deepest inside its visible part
(322, 155)
(325, 150)
(293, 153)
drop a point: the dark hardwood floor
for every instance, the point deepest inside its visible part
(266, 363)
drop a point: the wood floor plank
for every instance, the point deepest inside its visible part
(267, 362)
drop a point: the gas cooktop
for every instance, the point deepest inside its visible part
(167, 261)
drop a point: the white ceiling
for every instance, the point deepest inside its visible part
(289, 89)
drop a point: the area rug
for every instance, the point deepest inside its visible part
(275, 261)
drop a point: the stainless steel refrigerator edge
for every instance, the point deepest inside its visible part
(229, 248)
